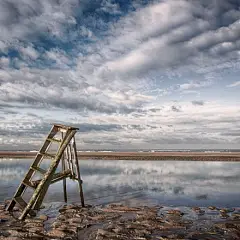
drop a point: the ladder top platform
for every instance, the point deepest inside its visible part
(65, 127)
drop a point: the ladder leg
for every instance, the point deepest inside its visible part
(78, 173)
(72, 154)
(64, 181)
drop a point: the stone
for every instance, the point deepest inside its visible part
(36, 229)
(200, 212)
(33, 220)
(3, 220)
(105, 233)
(196, 209)
(2, 207)
(29, 225)
(56, 233)
(175, 212)
(11, 238)
(15, 233)
(16, 209)
(227, 210)
(224, 215)
(212, 208)
(43, 217)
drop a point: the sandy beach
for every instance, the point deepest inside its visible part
(178, 156)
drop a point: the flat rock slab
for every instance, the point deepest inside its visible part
(125, 223)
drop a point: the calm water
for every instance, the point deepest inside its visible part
(139, 182)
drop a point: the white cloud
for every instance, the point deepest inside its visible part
(235, 84)
(4, 62)
(29, 52)
(194, 85)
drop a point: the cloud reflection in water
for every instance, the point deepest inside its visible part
(140, 182)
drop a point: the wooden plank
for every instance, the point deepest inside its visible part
(29, 184)
(60, 176)
(65, 127)
(48, 155)
(54, 140)
(64, 180)
(38, 169)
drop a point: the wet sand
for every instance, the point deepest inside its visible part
(178, 156)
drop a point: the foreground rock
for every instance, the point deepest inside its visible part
(124, 223)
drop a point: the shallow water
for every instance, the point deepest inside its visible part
(139, 182)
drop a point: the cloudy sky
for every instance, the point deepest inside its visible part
(130, 74)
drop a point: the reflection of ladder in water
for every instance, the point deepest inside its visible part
(66, 152)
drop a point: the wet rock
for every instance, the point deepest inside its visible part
(236, 215)
(200, 212)
(212, 208)
(56, 233)
(7, 202)
(175, 212)
(36, 230)
(43, 217)
(226, 210)
(35, 236)
(224, 215)
(196, 209)
(105, 233)
(33, 220)
(14, 233)
(2, 207)
(3, 220)
(11, 238)
(36, 224)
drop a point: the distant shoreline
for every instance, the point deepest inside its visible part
(144, 156)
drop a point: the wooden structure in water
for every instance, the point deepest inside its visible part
(66, 153)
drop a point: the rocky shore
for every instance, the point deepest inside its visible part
(121, 222)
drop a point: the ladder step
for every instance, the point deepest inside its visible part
(59, 176)
(38, 169)
(29, 184)
(60, 126)
(48, 155)
(23, 205)
(54, 140)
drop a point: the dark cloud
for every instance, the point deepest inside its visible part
(231, 133)
(198, 103)
(176, 109)
(87, 127)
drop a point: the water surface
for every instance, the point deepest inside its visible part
(139, 182)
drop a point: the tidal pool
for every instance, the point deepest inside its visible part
(139, 182)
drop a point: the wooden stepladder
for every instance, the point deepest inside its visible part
(66, 153)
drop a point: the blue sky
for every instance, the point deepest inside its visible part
(130, 74)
